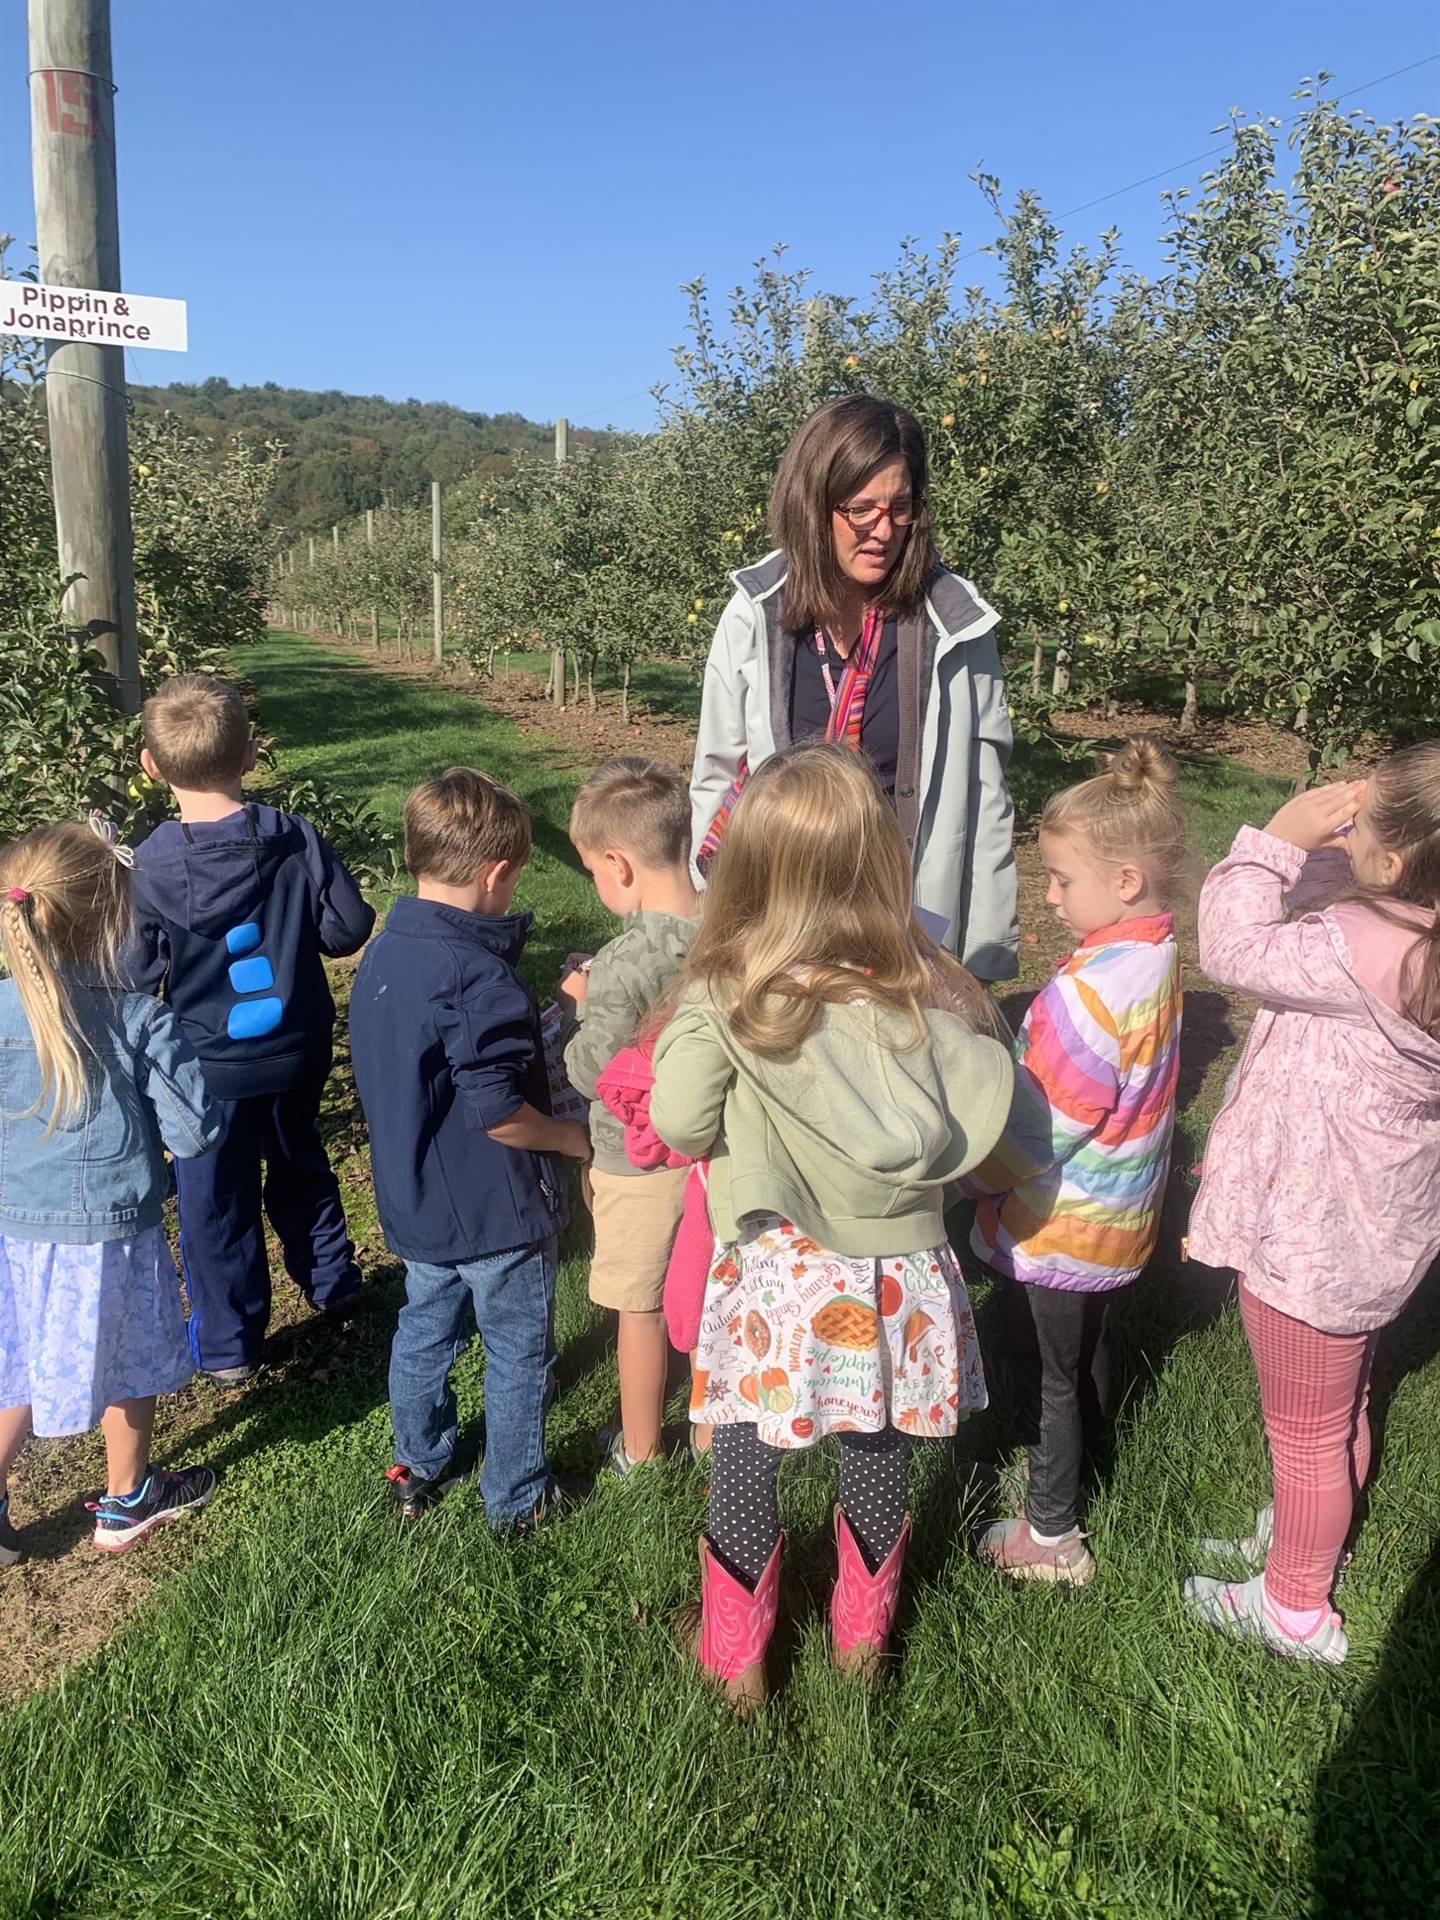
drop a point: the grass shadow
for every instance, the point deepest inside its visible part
(1376, 1812)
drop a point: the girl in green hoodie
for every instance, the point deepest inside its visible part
(839, 1070)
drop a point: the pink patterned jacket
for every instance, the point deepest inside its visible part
(1322, 1173)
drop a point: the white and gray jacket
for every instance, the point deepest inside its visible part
(951, 799)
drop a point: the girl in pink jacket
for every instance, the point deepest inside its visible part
(1322, 1175)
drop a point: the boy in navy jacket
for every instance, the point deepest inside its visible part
(451, 1071)
(235, 906)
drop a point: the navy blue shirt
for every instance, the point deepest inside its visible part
(445, 1038)
(880, 723)
(233, 917)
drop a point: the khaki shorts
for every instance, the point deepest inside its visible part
(636, 1218)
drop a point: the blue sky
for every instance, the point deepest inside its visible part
(495, 205)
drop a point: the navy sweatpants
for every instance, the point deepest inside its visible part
(222, 1234)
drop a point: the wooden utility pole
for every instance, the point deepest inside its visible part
(437, 581)
(557, 654)
(77, 225)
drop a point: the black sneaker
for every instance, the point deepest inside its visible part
(413, 1494)
(168, 1496)
(12, 1550)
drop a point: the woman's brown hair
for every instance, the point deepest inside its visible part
(827, 461)
(64, 908)
(809, 901)
(1402, 808)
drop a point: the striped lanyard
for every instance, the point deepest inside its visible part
(847, 701)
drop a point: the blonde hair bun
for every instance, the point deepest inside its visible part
(1142, 762)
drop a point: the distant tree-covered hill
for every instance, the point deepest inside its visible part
(345, 452)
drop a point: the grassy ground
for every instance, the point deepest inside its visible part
(314, 1715)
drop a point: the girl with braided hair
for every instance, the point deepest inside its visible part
(95, 1083)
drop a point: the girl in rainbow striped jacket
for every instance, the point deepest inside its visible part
(1072, 1195)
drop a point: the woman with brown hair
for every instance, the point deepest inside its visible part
(853, 631)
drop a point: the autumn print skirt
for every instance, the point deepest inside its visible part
(799, 1342)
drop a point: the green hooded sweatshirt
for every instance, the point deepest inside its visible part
(853, 1137)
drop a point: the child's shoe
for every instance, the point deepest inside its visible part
(411, 1492)
(1245, 1612)
(1010, 1547)
(12, 1549)
(730, 1629)
(229, 1376)
(617, 1460)
(1251, 1549)
(863, 1604)
(162, 1496)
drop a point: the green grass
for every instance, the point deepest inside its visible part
(316, 1717)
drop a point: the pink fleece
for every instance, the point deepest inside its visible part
(624, 1087)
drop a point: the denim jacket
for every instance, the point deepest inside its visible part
(102, 1177)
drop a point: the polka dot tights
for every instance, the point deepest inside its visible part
(745, 1515)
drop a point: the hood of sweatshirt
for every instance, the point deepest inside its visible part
(879, 1105)
(211, 875)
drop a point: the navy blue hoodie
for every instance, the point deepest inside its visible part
(232, 918)
(445, 1038)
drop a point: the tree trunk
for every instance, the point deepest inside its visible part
(1060, 683)
(1190, 712)
(590, 682)
(1037, 665)
(375, 628)
(625, 695)
(576, 658)
(556, 691)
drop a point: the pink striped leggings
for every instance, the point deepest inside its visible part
(1314, 1392)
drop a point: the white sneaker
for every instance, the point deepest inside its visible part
(1242, 1612)
(1252, 1549)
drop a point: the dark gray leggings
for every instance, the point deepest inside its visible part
(745, 1516)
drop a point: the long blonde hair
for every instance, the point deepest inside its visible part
(64, 908)
(809, 902)
(1129, 815)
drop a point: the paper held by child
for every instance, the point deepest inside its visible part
(565, 1102)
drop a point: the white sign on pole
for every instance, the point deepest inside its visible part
(103, 319)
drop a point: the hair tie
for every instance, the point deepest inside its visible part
(106, 830)
(17, 894)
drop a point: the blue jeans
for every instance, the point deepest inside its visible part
(513, 1296)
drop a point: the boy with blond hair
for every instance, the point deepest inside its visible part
(237, 905)
(631, 827)
(445, 1037)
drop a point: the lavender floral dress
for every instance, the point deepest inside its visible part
(82, 1327)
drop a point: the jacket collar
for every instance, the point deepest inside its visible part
(1148, 931)
(503, 935)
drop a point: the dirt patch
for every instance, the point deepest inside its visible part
(65, 1600)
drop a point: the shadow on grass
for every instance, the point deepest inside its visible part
(1377, 1796)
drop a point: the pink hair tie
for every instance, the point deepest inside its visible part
(17, 894)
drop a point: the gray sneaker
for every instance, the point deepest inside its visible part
(1241, 1611)
(1251, 1549)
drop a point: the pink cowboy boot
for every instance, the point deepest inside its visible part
(863, 1604)
(730, 1629)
